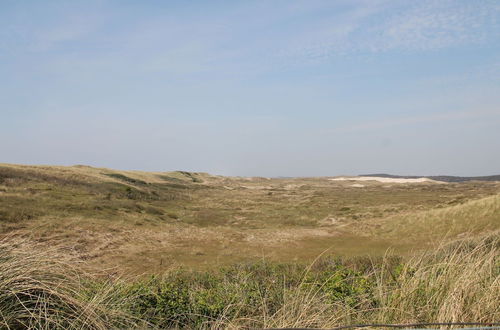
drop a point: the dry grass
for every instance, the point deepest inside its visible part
(42, 289)
(469, 218)
(139, 220)
(456, 282)
(143, 222)
(459, 282)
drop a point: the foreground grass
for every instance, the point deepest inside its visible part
(456, 282)
(39, 288)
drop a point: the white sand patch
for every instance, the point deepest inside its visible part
(384, 180)
(358, 185)
(257, 187)
(293, 186)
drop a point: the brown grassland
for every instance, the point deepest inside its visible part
(234, 252)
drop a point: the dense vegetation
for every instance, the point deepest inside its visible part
(458, 282)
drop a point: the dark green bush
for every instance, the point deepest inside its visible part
(344, 285)
(193, 299)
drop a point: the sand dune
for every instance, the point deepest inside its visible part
(384, 180)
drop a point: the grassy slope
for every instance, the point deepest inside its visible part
(150, 221)
(471, 218)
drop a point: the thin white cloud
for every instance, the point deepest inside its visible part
(438, 24)
(373, 27)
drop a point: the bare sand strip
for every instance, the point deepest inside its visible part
(385, 180)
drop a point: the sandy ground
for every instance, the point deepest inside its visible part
(384, 180)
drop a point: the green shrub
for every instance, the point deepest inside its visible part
(163, 303)
(454, 283)
(343, 285)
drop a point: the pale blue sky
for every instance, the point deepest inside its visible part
(267, 88)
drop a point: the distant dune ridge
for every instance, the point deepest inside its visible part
(384, 179)
(388, 178)
(443, 178)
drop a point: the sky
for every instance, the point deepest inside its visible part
(253, 88)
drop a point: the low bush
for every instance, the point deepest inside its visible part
(459, 282)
